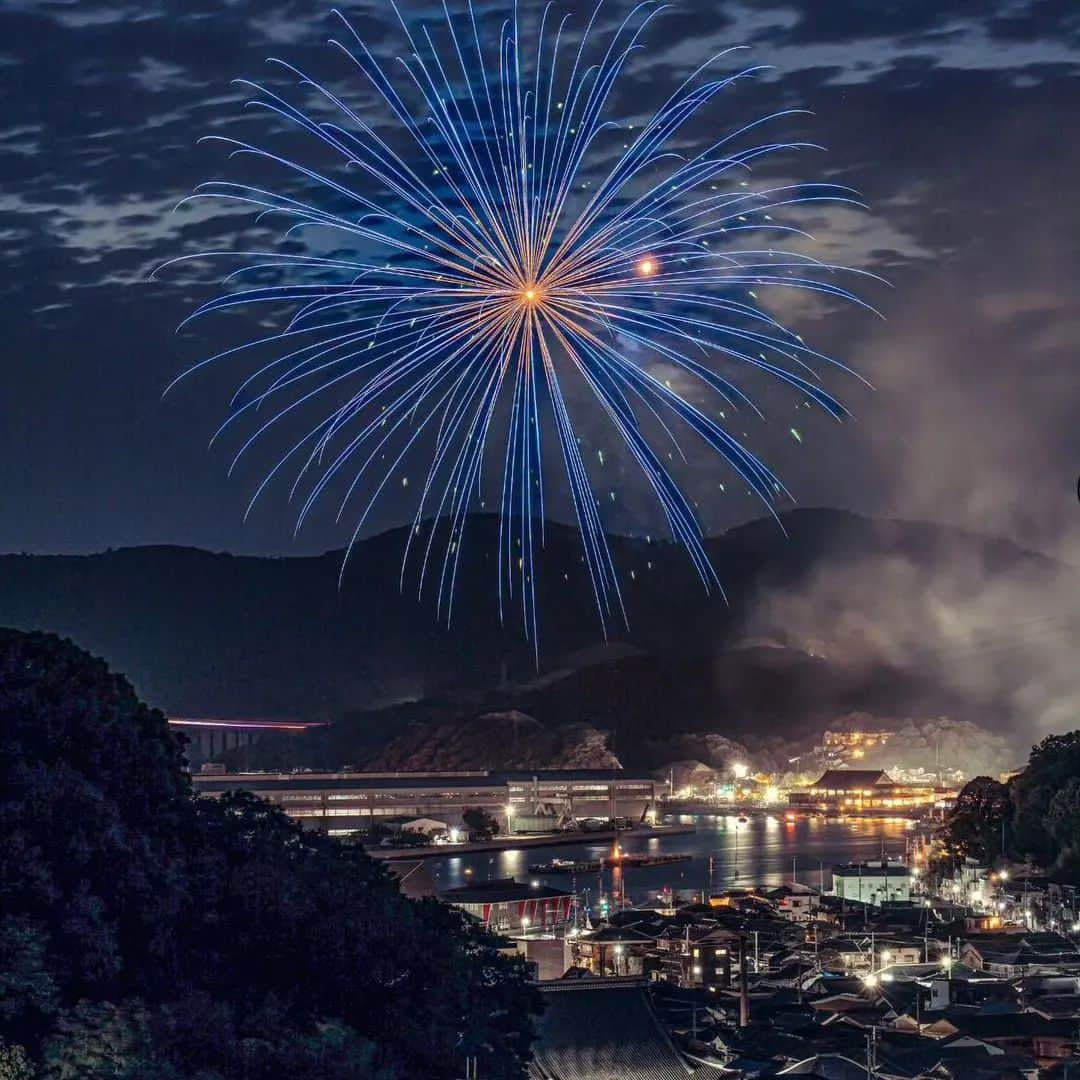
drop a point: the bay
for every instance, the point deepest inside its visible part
(759, 850)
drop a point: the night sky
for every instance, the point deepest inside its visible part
(956, 121)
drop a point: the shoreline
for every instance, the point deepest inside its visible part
(532, 840)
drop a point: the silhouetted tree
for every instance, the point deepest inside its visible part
(1063, 821)
(481, 825)
(974, 825)
(146, 933)
(1053, 762)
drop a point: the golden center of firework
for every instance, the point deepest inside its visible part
(646, 267)
(532, 293)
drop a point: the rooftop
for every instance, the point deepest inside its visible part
(602, 1028)
(500, 891)
(852, 779)
(871, 870)
(313, 781)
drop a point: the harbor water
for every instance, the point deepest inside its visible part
(725, 851)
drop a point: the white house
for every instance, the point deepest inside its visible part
(872, 882)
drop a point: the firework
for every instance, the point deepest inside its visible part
(498, 251)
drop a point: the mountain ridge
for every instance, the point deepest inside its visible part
(206, 633)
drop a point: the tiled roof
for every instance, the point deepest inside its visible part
(862, 870)
(826, 1067)
(500, 891)
(602, 1029)
(301, 781)
(847, 779)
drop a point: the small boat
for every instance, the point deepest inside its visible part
(634, 861)
(621, 861)
(564, 866)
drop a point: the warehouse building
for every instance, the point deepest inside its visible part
(345, 802)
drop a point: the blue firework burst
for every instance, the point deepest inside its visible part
(498, 252)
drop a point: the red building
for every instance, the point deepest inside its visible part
(514, 907)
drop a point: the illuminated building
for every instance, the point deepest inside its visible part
(872, 883)
(853, 790)
(854, 740)
(346, 802)
(514, 907)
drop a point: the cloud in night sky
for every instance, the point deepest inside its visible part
(955, 122)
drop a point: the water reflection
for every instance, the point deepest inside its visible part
(758, 850)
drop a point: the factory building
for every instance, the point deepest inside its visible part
(345, 802)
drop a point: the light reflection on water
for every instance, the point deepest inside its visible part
(757, 851)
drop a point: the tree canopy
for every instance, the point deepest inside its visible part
(148, 933)
(1036, 815)
(975, 822)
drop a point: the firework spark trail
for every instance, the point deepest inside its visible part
(459, 306)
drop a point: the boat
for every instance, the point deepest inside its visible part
(565, 866)
(634, 861)
(620, 860)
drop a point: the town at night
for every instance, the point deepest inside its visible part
(540, 540)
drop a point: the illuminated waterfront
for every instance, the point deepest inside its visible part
(758, 850)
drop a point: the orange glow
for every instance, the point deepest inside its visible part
(646, 267)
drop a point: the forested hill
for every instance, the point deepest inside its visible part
(204, 633)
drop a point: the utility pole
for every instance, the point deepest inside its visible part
(744, 988)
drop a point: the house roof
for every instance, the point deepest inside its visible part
(826, 1067)
(611, 935)
(500, 891)
(852, 779)
(602, 1028)
(865, 870)
(1024, 949)
(308, 781)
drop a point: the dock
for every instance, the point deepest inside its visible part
(532, 840)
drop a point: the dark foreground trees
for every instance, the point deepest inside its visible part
(1035, 817)
(481, 824)
(145, 933)
(976, 823)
